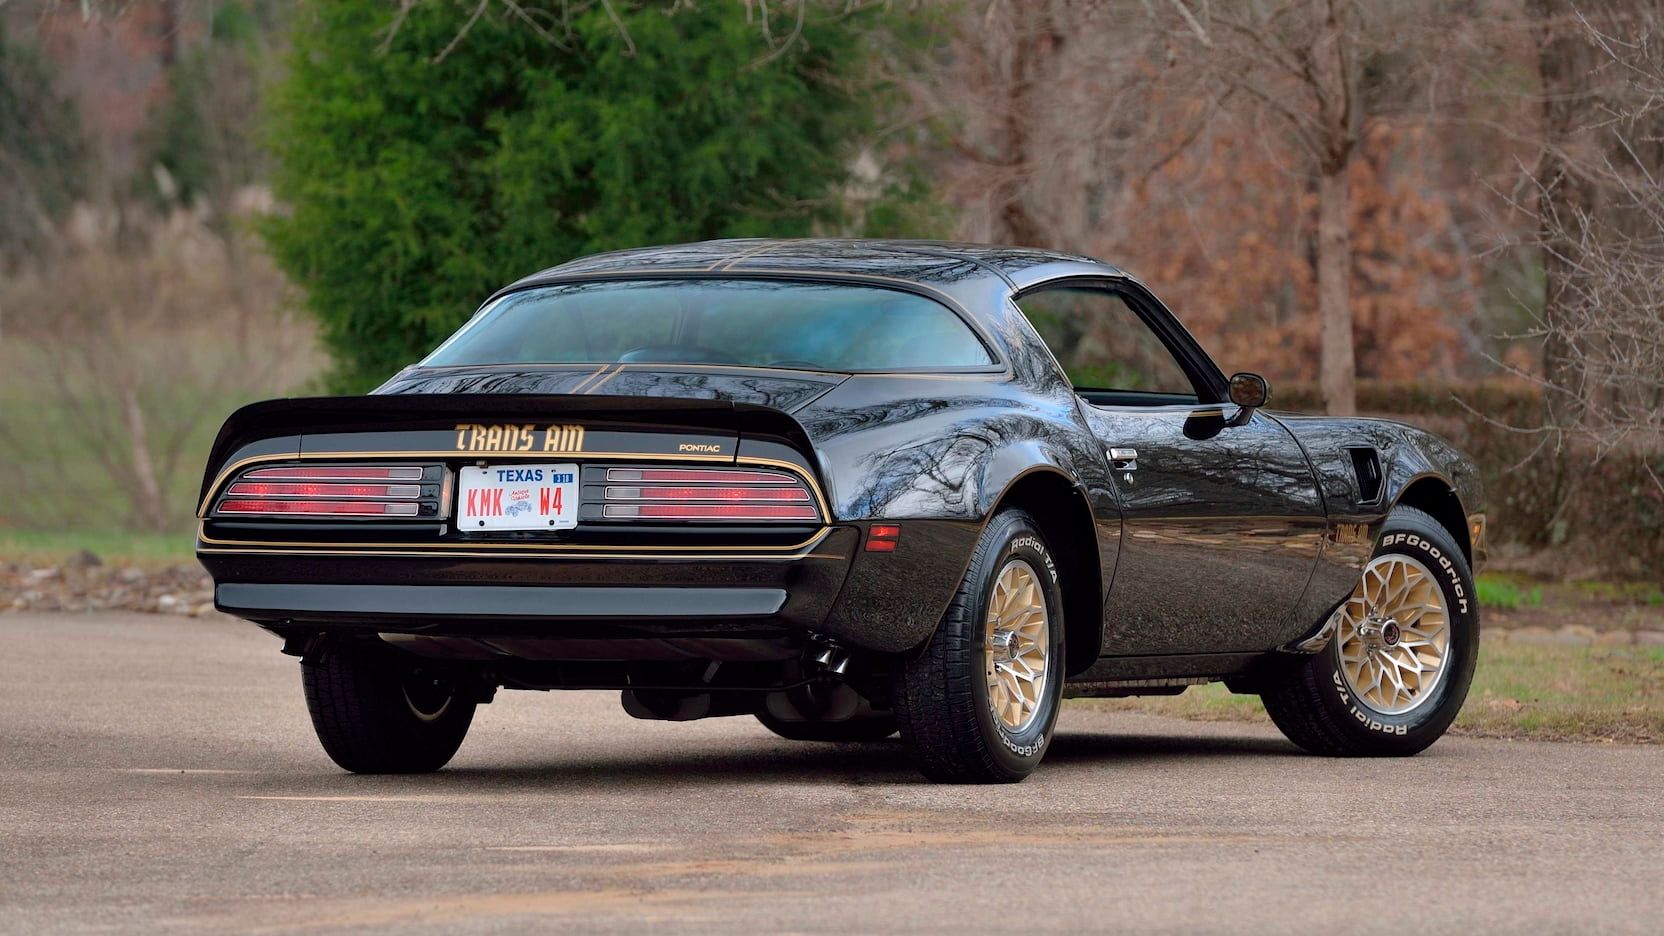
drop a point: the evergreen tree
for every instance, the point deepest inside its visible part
(44, 156)
(430, 155)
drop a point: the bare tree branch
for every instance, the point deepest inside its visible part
(780, 49)
(623, 32)
(479, 10)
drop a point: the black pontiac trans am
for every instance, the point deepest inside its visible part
(847, 488)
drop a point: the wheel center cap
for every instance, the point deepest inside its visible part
(1379, 632)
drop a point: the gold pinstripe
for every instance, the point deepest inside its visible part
(585, 382)
(406, 554)
(599, 383)
(757, 251)
(510, 550)
(797, 470)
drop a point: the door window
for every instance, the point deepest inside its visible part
(1104, 346)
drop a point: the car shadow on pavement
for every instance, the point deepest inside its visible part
(1077, 748)
(770, 762)
(767, 761)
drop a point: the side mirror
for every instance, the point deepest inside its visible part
(1250, 392)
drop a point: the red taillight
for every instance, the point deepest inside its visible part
(698, 476)
(328, 491)
(706, 494)
(337, 473)
(709, 512)
(333, 508)
(289, 489)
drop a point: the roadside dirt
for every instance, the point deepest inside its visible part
(85, 583)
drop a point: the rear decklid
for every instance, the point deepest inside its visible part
(631, 455)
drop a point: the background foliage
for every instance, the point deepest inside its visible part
(424, 172)
(42, 152)
(200, 193)
(1579, 514)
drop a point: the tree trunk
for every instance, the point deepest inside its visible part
(1333, 85)
(1337, 363)
(1564, 199)
(147, 495)
(1038, 39)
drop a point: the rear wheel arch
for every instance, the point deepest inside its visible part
(1435, 497)
(1065, 520)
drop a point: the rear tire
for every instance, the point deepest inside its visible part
(376, 712)
(946, 697)
(1325, 703)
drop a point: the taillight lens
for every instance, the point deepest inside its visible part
(319, 508)
(706, 494)
(330, 491)
(289, 489)
(338, 473)
(699, 476)
(708, 512)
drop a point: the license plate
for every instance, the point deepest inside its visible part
(517, 497)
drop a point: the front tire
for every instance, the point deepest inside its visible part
(376, 712)
(1401, 657)
(979, 704)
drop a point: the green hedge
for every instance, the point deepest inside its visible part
(1606, 515)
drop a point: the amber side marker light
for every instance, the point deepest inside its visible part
(882, 537)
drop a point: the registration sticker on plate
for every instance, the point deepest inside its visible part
(518, 497)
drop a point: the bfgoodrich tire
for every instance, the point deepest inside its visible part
(377, 712)
(1401, 658)
(979, 704)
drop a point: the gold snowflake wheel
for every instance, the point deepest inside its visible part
(1017, 639)
(1392, 637)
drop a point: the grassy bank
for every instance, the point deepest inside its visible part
(42, 547)
(67, 440)
(1519, 691)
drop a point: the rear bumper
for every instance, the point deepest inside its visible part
(539, 622)
(418, 606)
(592, 606)
(485, 595)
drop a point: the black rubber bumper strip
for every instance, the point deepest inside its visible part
(502, 600)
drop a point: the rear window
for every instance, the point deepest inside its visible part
(754, 323)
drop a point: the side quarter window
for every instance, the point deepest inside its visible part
(1103, 344)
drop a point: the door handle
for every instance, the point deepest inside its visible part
(1123, 459)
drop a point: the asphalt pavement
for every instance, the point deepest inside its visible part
(160, 774)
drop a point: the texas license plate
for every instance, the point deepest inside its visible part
(518, 497)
